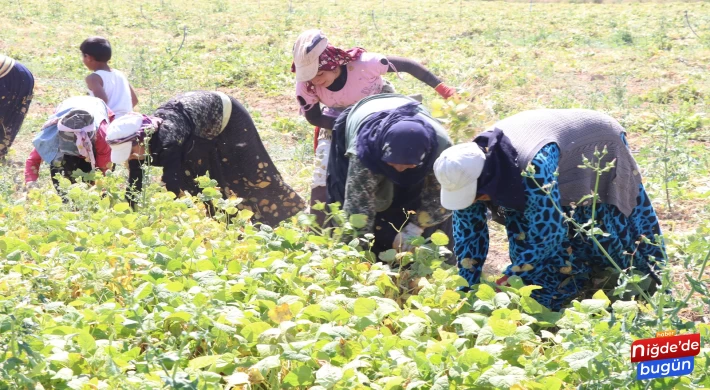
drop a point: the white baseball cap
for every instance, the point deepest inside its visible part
(123, 127)
(306, 51)
(457, 169)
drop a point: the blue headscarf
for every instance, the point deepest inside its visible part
(398, 136)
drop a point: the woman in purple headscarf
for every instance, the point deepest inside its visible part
(381, 166)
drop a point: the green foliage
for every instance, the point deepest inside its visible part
(97, 295)
(677, 163)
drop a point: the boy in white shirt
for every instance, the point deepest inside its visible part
(105, 83)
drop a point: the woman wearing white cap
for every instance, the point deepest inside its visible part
(544, 249)
(199, 132)
(338, 79)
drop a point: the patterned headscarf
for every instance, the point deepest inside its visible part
(331, 58)
(80, 123)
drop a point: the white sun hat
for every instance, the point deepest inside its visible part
(306, 51)
(457, 169)
(123, 128)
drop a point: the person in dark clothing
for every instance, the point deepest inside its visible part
(199, 132)
(338, 79)
(545, 249)
(16, 87)
(382, 156)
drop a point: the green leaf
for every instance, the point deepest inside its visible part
(328, 375)
(476, 356)
(441, 383)
(625, 307)
(602, 296)
(121, 207)
(203, 361)
(525, 291)
(393, 383)
(440, 239)
(485, 292)
(501, 300)
(530, 305)
(174, 286)
(143, 291)
(318, 240)
(300, 376)
(448, 298)
(502, 376)
(289, 235)
(252, 331)
(363, 307)
(86, 342)
(64, 374)
(468, 325)
(297, 356)
(388, 256)
(358, 221)
(204, 265)
(502, 327)
(579, 360)
(268, 363)
(593, 305)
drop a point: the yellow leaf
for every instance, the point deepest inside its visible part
(280, 313)
(255, 376)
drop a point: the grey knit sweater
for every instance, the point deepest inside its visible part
(577, 132)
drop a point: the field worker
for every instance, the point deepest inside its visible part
(337, 79)
(73, 138)
(199, 132)
(544, 249)
(381, 163)
(16, 86)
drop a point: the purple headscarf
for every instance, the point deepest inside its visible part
(398, 136)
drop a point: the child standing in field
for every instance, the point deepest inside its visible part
(105, 83)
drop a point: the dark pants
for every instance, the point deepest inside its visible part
(405, 199)
(15, 98)
(66, 168)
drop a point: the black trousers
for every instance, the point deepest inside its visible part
(66, 168)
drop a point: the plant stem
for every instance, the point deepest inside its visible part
(665, 171)
(597, 243)
(690, 293)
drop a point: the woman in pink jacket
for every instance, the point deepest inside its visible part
(337, 79)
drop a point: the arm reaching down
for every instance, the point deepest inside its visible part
(316, 117)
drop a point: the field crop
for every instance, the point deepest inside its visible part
(94, 295)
